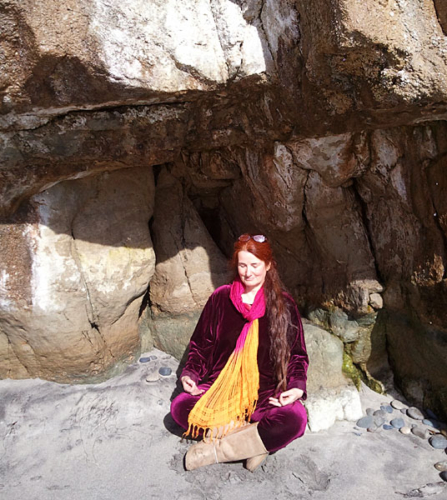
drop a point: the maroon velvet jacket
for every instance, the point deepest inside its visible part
(215, 336)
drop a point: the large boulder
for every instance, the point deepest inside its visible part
(406, 213)
(331, 396)
(76, 263)
(189, 268)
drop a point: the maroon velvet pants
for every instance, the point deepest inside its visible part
(278, 426)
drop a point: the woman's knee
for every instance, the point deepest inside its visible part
(281, 425)
(180, 408)
(294, 418)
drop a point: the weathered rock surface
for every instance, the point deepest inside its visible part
(74, 271)
(189, 267)
(264, 69)
(189, 264)
(331, 396)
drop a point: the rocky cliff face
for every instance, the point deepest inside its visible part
(137, 141)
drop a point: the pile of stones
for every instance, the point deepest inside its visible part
(156, 370)
(409, 420)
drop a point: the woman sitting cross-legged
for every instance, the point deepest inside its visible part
(249, 349)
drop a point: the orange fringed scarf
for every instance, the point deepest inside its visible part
(232, 398)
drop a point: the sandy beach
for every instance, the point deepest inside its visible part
(116, 440)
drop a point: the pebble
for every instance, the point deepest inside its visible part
(419, 432)
(415, 413)
(146, 359)
(165, 371)
(387, 408)
(404, 411)
(398, 405)
(387, 427)
(379, 413)
(428, 422)
(444, 475)
(397, 423)
(436, 424)
(379, 421)
(369, 411)
(365, 422)
(405, 430)
(438, 442)
(441, 466)
(153, 377)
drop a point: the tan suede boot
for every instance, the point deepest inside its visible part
(253, 463)
(240, 444)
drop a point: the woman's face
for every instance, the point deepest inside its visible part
(251, 270)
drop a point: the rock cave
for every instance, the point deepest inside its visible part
(138, 141)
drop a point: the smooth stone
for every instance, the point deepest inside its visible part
(387, 408)
(369, 411)
(365, 422)
(415, 413)
(441, 466)
(436, 424)
(405, 430)
(444, 475)
(153, 357)
(153, 377)
(165, 371)
(420, 433)
(379, 421)
(145, 360)
(397, 423)
(380, 413)
(438, 442)
(398, 405)
(387, 427)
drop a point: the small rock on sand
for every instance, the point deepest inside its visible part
(415, 413)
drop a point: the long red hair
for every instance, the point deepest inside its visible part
(277, 311)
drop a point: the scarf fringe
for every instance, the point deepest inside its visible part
(215, 433)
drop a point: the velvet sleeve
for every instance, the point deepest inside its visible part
(201, 344)
(299, 361)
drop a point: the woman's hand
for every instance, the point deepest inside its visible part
(287, 397)
(190, 386)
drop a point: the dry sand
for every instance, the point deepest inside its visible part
(116, 440)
